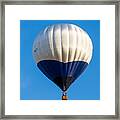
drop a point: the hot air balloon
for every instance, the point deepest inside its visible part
(62, 52)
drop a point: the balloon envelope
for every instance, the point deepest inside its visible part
(62, 52)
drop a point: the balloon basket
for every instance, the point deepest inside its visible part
(64, 96)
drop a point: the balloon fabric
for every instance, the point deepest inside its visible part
(62, 52)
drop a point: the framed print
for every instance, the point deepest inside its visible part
(60, 59)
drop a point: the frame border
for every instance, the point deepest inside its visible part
(2, 59)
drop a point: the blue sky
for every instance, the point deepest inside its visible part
(34, 85)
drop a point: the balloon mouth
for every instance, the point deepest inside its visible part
(64, 82)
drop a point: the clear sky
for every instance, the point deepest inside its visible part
(34, 85)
